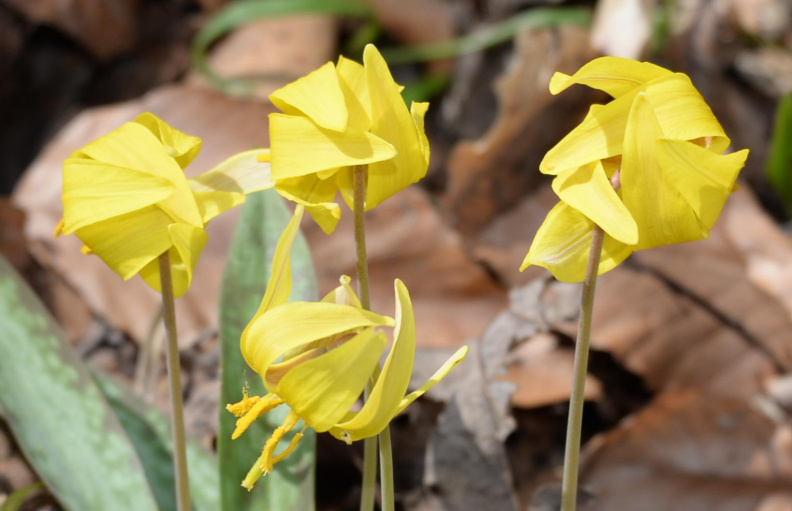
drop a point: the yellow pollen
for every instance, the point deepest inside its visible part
(58, 229)
(259, 407)
(265, 462)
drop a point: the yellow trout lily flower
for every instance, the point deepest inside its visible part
(125, 196)
(667, 146)
(338, 117)
(317, 358)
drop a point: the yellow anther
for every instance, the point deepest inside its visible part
(265, 462)
(259, 407)
(58, 229)
(86, 250)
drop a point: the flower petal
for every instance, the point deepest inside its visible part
(343, 294)
(599, 136)
(352, 78)
(683, 114)
(391, 385)
(300, 147)
(322, 390)
(704, 179)
(94, 191)
(211, 204)
(661, 212)
(110, 239)
(317, 195)
(458, 356)
(563, 242)
(391, 121)
(588, 190)
(614, 75)
(133, 146)
(244, 173)
(296, 325)
(418, 112)
(188, 243)
(316, 95)
(179, 146)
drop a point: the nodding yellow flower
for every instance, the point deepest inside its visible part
(125, 196)
(666, 145)
(317, 358)
(338, 117)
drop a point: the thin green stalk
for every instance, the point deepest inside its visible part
(575, 422)
(174, 385)
(369, 483)
(370, 444)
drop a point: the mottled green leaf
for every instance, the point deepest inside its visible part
(779, 164)
(150, 433)
(290, 487)
(57, 413)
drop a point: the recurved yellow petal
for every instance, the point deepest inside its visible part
(660, 210)
(390, 387)
(391, 121)
(244, 173)
(300, 147)
(458, 356)
(188, 243)
(179, 146)
(322, 390)
(614, 75)
(563, 242)
(211, 204)
(94, 191)
(589, 190)
(297, 325)
(317, 195)
(352, 78)
(703, 178)
(134, 146)
(418, 112)
(109, 239)
(683, 114)
(599, 136)
(316, 95)
(343, 294)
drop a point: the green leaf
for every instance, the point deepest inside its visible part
(150, 433)
(16, 499)
(290, 487)
(58, 415)
(779, 164)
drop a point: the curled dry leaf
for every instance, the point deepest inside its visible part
(691, 451)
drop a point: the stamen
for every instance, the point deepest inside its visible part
(58, 229)
(86, 250)
(258, 408)
(265, 462)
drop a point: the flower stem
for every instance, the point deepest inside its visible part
(174, 384)
(575, 422)
(368, 491)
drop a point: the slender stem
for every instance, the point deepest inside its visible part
(174, 384)
(386, 470)
(575, 422)
(359, 188)
(370, 444)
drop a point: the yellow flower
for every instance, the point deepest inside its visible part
(662, 138)
(317, 357)
(338, 117)
(125, 196)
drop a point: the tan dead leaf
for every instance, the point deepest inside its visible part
(227, 126)
(274, 52)
(106, 29)
(454, 298)
(690, 451)
(489, 176)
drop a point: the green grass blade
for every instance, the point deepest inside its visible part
(149, 431)
(16, 499)
(58, 415)
(489, 36)
(290, 487)
(247, 11)
(779, 163)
